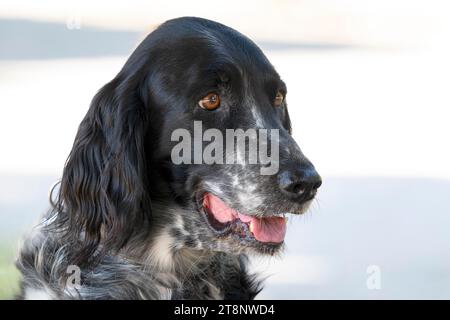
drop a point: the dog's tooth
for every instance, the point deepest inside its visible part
(251, 227)
(286, 219)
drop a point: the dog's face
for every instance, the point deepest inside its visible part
(212, 75)
(121, 176)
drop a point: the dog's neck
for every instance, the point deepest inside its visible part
(186, 273)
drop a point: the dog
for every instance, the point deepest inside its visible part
(126, 222)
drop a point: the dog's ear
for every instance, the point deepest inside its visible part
(103, 196)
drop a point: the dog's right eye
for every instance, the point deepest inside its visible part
(210, 102)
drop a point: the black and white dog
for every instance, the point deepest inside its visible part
(127, 222)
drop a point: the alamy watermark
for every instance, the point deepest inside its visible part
(73, 22)
(373, 281)
(74, 278)
(252, 146)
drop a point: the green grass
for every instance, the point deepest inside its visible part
(9, 275)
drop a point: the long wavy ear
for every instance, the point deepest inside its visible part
(103, 196)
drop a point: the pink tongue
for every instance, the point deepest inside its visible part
(271, 229)
(219, 209)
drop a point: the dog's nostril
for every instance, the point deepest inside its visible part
(291, 185)
(298, 188)
(302, 183)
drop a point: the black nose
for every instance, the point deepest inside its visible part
(301, 184)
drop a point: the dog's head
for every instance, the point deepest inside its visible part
(159, 147)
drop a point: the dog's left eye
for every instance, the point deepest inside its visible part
(210, 102)
(279, 98)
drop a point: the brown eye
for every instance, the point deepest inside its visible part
(210, 101)
(279, 98)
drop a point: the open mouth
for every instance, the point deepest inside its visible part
(224, 220)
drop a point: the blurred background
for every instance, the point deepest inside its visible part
(369, 98)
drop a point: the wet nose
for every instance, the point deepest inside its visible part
(300, 183)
